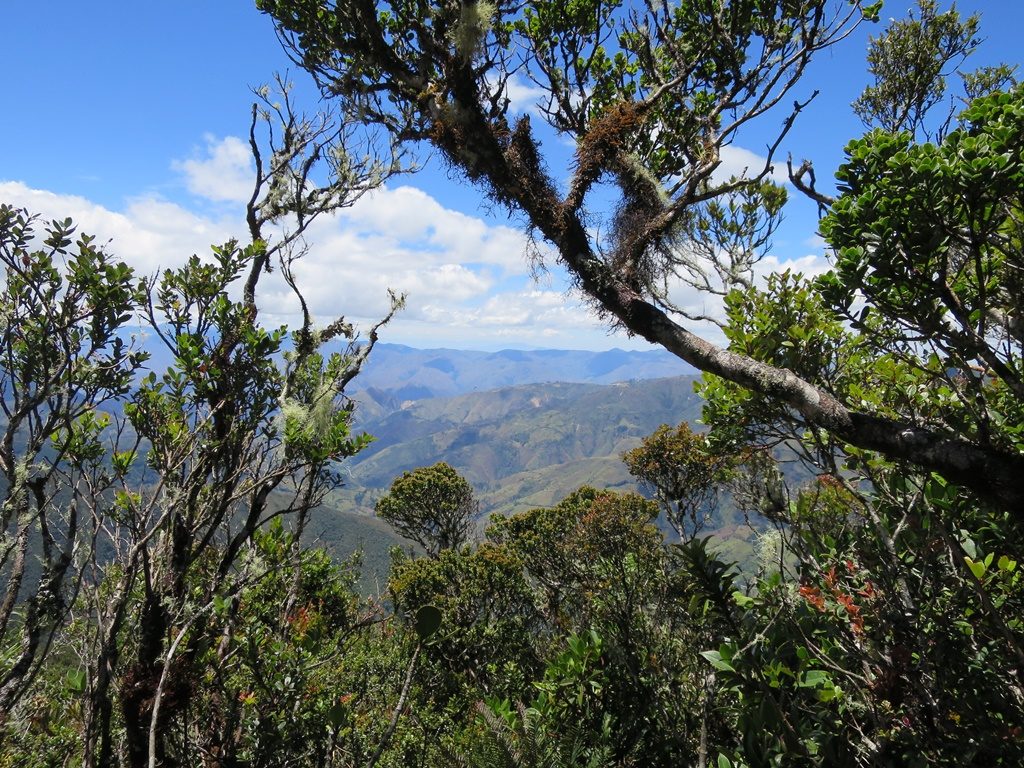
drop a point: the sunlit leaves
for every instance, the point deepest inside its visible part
(433, 506)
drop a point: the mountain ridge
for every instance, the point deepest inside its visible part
(407, 373)
(508, 438)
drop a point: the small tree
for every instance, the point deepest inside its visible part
(433, 506)
(64, 303)
(143, 497)
(684, 474)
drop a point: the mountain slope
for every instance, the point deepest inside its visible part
(519, 446)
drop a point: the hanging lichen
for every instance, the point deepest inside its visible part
(475, 21)
(310, 423)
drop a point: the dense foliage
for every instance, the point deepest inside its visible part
(159, 607)
(133, 502)
(433, 506)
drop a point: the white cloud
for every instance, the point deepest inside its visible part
(408, 217)
(222, 172)
(467, 280)
(809, 265)
(527, 317)
(402, 239)
(737, 161)
(523, 95)
(526, 309)
(149, 233)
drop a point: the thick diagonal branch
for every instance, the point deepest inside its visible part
(992, 474)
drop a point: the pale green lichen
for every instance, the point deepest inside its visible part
(21, 471)
(768, 548)
(640, 172)
(313, 420)
(475, 21)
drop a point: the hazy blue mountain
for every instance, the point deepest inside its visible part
(404, 373)
(525, 427)
(520, 448)
(397, 374)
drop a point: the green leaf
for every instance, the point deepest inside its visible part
(717, 661)
(742, 600)
(75, 680)
(968, 544)
(814, 678)
(977, 567)
(428, 621)
(336, 715)
(830, 693)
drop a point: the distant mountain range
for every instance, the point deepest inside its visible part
(520, 448)
(526, 428)
(414, 374)
(396, 373)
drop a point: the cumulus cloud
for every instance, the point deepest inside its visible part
(149, 233)
(222, 171)
(523, 317)
(527, 308)
(809, 265)
(404, 240)
(737, 161)
(523, 95)
(466, 278)
(407, 217)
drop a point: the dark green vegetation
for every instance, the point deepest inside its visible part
(433, 506)
(520, 448)
(882, 625)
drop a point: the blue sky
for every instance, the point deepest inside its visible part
(127, 116)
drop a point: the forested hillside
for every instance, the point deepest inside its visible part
(520, 446)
